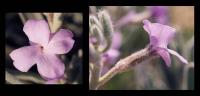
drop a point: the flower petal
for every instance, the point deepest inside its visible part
(166, 35)
(177, 55)
(110, 56)
(146, 26)
(162, 33)
(50, 66)
(165, 56)
(37, 31)
(24, 58)
(60, 43)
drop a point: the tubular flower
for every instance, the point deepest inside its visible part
(160, 35)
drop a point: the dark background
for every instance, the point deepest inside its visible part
(82, 6)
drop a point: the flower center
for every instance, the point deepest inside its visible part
(42, 49)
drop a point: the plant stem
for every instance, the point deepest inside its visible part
(11, 79)
(94, 76)
(126, 63)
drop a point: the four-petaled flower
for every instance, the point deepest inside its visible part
(43, 50)
(160, 35)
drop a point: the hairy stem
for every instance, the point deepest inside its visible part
(94, 67)
(125, 64)
(94, 76)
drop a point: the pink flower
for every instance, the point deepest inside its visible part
(160, 35)
(129, 17)
(160, 13)
(111, 56)
(43, 50)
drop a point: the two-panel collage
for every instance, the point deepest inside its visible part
(130, 48)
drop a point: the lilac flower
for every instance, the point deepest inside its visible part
(112, 54)
(160, 35)
(43, 50)
(129, 17)
(159, 13)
